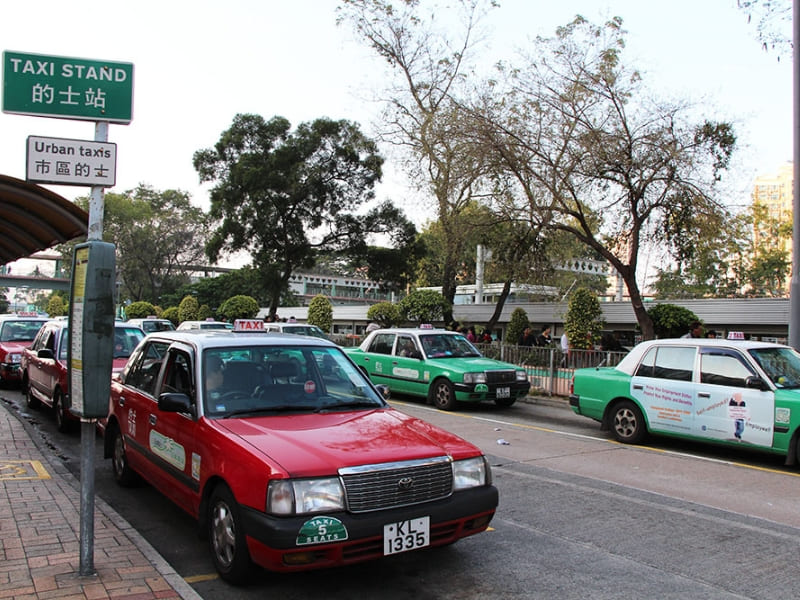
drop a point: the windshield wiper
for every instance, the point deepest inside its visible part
(276, 408)
(352, 404)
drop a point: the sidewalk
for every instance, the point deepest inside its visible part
(40, 533)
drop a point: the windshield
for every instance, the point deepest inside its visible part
(261, 380)
(447, 346)
(311, 330)
(125, 340)
(782, 365)
(19, 331)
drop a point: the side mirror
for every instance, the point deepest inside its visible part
(175, 402)
(756, 383)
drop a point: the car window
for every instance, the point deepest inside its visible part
(782, 365)
(125, 340)
(19, 331)
(405, 346)
(178, 373)
(241, 382)
(668, 362)
(382, 343)
(143, 368)
(447, 346)
(722, 367)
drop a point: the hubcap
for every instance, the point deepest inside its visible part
(625, 422)
(223, 533)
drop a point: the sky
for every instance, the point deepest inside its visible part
(198, 63)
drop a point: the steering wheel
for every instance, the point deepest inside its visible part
(234, 395)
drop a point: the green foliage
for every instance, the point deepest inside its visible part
(670, 320)
(584, 319)
(385, 314)
(423, 306)
(516, 325)
(320, 312)
(188, 309)
(56, 306)
(140, 310)
(213, 291)
(237, 307)
(275, 189)
(171, 313)
(204, 312)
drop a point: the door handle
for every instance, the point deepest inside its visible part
(152, 420)
(638, 387)
(703, 395)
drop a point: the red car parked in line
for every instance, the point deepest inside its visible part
(44, 366)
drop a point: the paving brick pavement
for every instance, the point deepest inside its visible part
(40, 533)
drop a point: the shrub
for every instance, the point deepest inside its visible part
(516, 325)
(140, 310)
(423, 306)
(188, 309)
(171, 313)
(238, 307)
(320, 313)
(584, 319)
(671, 320)
(385, 314)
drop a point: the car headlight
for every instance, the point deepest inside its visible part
(522, 376)
(470, 473)
(14, 358)
(302, 496)
(474, 377)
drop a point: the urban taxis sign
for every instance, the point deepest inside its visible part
(71, 162)
(68, 88)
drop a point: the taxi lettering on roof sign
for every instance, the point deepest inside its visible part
(286, 454)
(735, 335)
(248, 325)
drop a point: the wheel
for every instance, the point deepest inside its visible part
(443, 395)
(63, 424)
(123, 474)
(627, 422)
(505, 402)
(32, 401)
(226, 537)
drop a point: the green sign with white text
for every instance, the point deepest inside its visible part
(67, 88)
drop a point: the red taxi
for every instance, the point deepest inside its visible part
(44, 367)
(16, 333)
(286, 454)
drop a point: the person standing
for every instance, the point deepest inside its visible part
(695, 330)
(544, 339)
(526, 339)
(564, 349)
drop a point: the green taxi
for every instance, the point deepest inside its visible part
(736, 393)
(441, 366)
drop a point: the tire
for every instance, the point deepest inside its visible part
(30, 400)
(627, 423)
(442, 394)
(226, 537)
(63, 424)
(505, 402)
(123, 474)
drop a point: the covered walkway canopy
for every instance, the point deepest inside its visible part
(33, 218)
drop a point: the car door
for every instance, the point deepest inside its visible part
(664, 388)
(727, 409)
(407, 367)
(378, 359)
(39, 367)
(170, 436)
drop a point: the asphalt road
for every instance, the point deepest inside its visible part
(580, 516)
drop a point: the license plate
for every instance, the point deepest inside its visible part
(406, 535)
(503, 392)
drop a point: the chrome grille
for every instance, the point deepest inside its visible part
(501, 376)
(377, 487)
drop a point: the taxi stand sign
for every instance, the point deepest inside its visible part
(71, 162)
(68, 88)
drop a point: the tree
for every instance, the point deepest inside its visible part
(421, 117)
(670, 320)
(578, 132)
(56, 306)
(171, 313)
(516, 325)
(424, 306)
(188, 309)
(238, 307)
(320, 312)
(140, 310)
(773, 20)
(283, 196)
(385, 314)
(583, 322)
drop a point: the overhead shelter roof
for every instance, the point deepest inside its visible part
(33, 218)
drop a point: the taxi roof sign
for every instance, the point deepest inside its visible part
(248, 325)
(735, 335)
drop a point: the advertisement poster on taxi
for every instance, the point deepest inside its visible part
(710, 411)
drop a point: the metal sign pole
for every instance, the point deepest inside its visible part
(95, 232)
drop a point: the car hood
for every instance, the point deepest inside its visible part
(319, 444)
(16, 346)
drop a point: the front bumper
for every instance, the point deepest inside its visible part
(488, 391)
(10, 372)
(273, 543)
